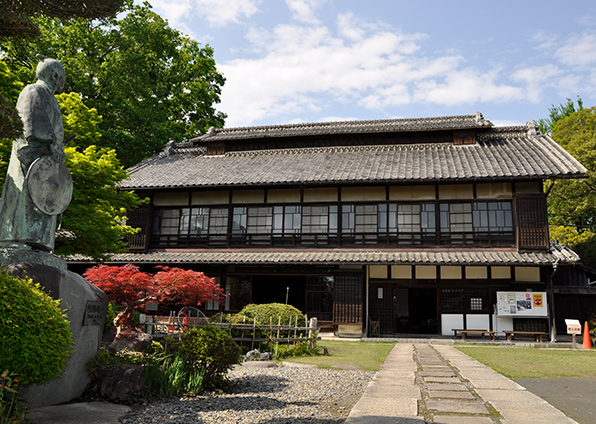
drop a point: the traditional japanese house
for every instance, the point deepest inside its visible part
(423, 225)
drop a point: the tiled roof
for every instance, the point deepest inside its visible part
(500, 153)
(352, 256)
(348, 127)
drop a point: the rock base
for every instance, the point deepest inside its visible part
(86, 307)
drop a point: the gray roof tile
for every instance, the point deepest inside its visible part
(500, 153)
(322, 256)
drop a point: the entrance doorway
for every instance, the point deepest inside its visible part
(403, 310)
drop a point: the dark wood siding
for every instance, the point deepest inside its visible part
(532, 221)
(139, 218)
(347, 308)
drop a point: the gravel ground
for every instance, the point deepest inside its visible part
(265, 396)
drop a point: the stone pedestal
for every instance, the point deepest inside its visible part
(85, 306)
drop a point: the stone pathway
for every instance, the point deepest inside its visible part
(424, 383)
(446, 397)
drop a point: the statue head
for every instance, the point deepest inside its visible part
(51, 72)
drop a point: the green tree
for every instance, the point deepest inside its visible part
(572, 203)
(556, 113)
(15, 20)
(10, 87)
(150, 83)
(95, 222)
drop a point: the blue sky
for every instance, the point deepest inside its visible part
(291, 61)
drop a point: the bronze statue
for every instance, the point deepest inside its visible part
(38, 185)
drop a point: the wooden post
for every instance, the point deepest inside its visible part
(278, 327)
(289, 333)
(312, 335)
(230, 324)
(243, 322)
(271, 331)
(254, 330)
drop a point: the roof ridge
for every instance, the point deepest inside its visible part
(382, 125)
(343, 149)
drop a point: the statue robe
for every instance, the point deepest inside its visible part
(21, 222)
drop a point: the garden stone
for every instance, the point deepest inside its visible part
(135, 342)
(252, 355)
(266, 356)
(121, 385)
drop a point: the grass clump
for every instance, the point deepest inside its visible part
(517, 362)
(337, 353)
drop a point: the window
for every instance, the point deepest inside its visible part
(194, 221)
(218, 221)
(366, 219)
(456, 223)
(486, 223)
(167, 221)
(493, 216)
(239, 221)
(319, 224)
(286, 219)
(259, 220)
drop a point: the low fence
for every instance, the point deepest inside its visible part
(243, 332)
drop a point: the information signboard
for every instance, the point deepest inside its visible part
(573, 326)
(522, 304)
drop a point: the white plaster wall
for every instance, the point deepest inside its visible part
(501, 324)
(478, 322)
(450, 321)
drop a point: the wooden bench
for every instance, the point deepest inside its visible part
(537, 334)
(482, 332)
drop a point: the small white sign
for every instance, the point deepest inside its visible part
(573, 326)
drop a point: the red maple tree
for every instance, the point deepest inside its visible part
(132, 288)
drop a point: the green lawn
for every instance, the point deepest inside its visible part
(517, 362)
(368, 355)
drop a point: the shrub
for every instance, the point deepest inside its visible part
(264, 311)
(210, 351)
(35, 338)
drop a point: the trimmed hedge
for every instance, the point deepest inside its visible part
(211, 351)
(35, 337)
(275, 310)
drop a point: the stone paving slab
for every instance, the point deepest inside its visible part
(373, 419)
(436, 374)
(441, 379)
(524, 413)
(457, 419)
(443, 394)
(442, 386)
(396, 392)
(491, 383)
(457, 406)
(388, 406)
(436, 368)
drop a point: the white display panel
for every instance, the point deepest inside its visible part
(522, 304)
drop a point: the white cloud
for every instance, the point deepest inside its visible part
(538, 78)
(301, 68)
(216, 12)
(578, 50)
(304, 10)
